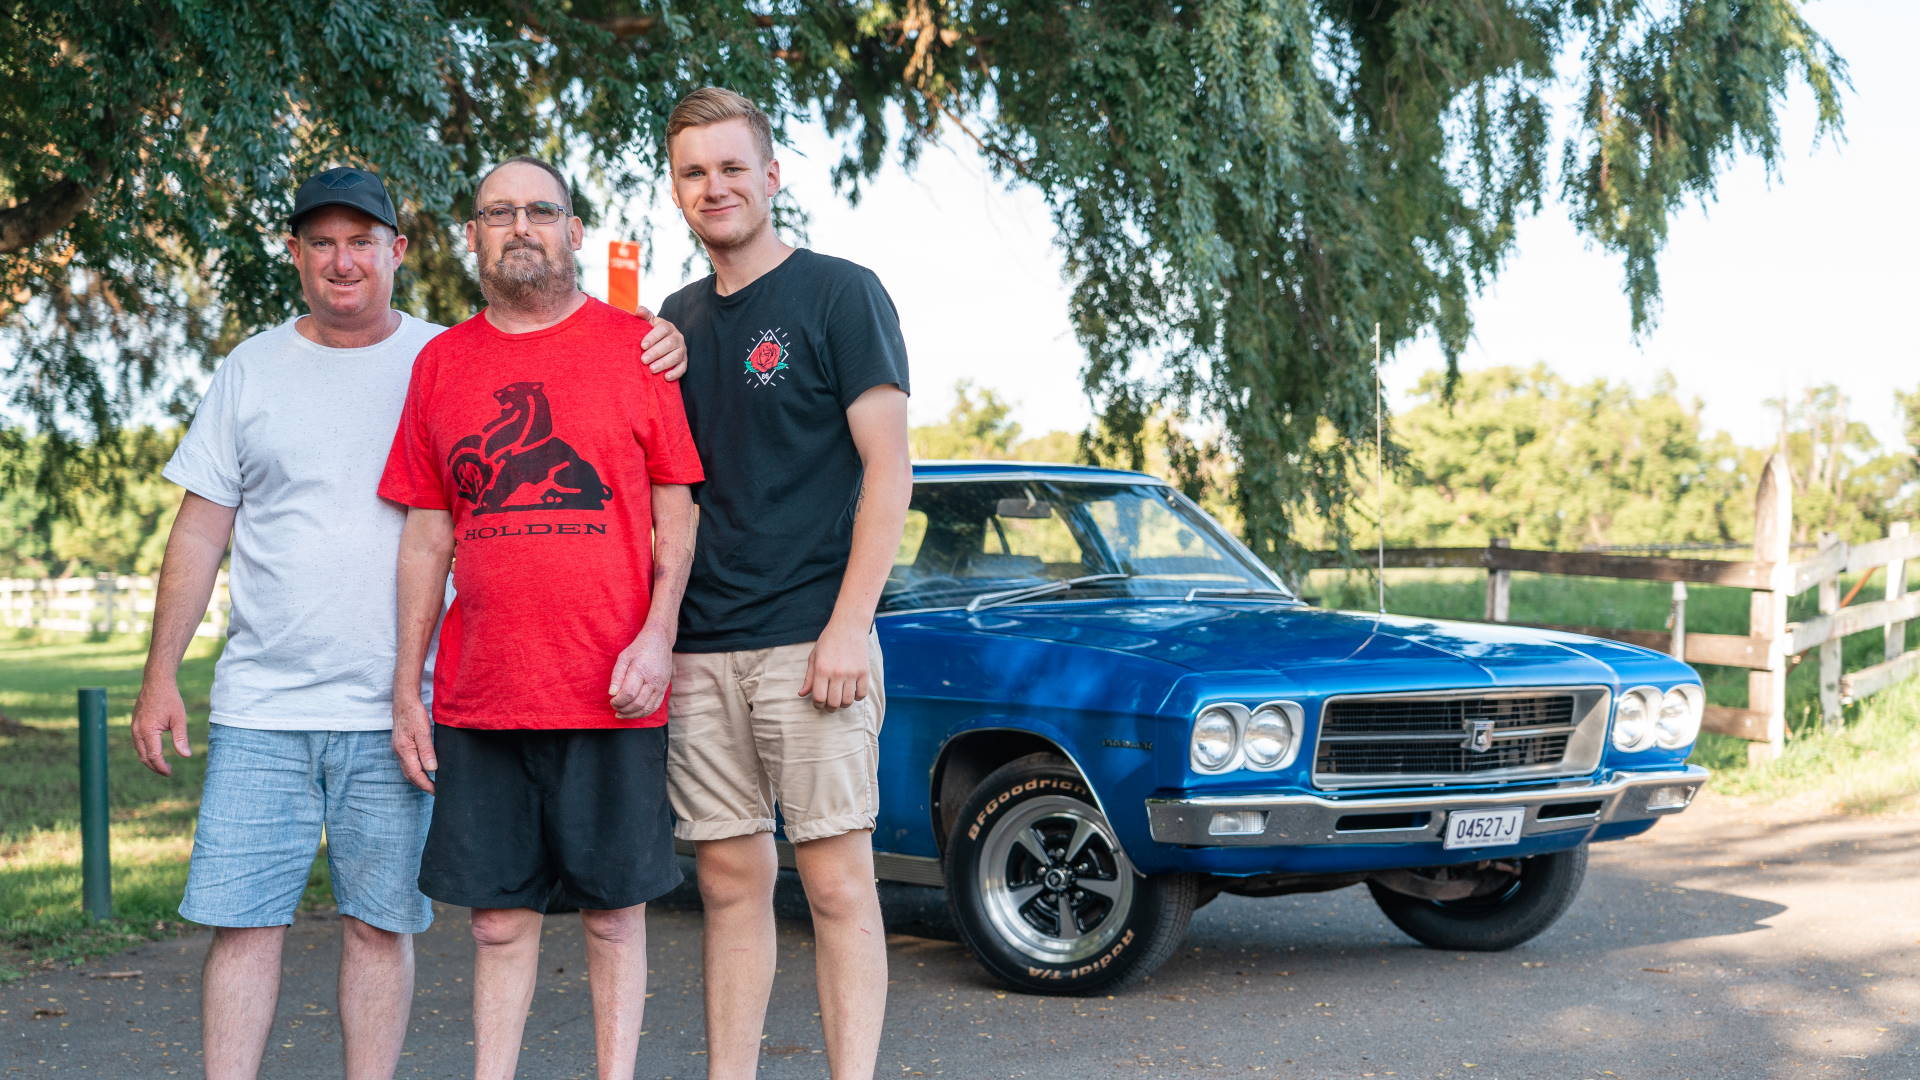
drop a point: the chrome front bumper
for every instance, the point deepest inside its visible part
(1287, 820)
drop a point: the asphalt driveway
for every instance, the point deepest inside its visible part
(1732, 942)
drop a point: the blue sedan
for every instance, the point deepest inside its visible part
(1103, 711)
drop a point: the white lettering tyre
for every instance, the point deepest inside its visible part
(1042, 893)
(1511, 902)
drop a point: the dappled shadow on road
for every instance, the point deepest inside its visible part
(1651, 976)
(1737, 842)
(1703, 971)
(1700, 980)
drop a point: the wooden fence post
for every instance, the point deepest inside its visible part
(1896, 639)
(1767, 611)
(222, 606)
(1499, 586)
(1830, 715)
(1677, 622)
(103, 590)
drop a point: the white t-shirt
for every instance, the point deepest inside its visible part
(294, 434)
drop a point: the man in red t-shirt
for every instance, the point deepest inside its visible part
(534, 445)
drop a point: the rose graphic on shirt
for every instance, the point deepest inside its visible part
(767, 359)
(518, 463)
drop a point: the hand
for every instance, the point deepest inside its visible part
(640, 676)
(837, 669)
(159, 708)
(413, 740)
(663, 350)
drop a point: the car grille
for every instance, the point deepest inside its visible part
(1430, 738)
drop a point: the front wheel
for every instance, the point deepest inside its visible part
(1042, 893)
(1512, 904)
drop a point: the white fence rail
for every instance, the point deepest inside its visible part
(1771, 646)
(107, 604)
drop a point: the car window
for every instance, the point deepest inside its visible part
(965, 539)
(1151, 541)
(910, 538)
(1039, 546)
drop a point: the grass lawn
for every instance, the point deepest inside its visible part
(1871, 766)
(40, 917)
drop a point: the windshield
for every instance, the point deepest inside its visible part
(969, 538)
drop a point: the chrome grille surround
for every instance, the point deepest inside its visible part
(1426, 737)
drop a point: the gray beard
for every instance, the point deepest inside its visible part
(524, 283)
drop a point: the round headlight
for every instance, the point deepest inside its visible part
(1633, 718)
(1679, 721)
(1270, 738)
(1214, 734)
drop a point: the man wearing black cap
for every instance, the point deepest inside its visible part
(284, 456)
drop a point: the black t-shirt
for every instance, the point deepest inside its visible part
(773, 368)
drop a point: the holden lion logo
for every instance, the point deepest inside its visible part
(1479, 738)
(767, 360)
(518, 463)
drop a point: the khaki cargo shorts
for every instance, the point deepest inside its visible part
(741, 739)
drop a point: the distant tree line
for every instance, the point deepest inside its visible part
(1556, 465)
(116, 510)
(1520, 453)
(1528, 455)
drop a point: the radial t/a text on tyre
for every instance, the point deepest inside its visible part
(1042, 892)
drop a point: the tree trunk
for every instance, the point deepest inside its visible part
(25, 224)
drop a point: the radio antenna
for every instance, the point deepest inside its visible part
(1379, 473)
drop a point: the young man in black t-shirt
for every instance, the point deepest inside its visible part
(798, 406)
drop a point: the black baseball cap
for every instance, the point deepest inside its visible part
(344, 185)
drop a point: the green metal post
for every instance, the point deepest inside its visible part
(96, 867)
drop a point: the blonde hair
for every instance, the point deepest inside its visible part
(713, 105)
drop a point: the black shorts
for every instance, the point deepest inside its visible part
(533, 819)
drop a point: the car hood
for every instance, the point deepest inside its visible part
(1310, 645)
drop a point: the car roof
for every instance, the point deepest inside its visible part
(1025, 470)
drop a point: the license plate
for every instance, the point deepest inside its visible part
(1484, 828)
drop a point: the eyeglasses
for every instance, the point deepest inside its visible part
(538, 213)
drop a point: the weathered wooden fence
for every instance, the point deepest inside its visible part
(1771, 646)
(106, 604)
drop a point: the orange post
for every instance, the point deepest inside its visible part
(623, 274)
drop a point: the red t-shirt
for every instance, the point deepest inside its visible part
(545, 447)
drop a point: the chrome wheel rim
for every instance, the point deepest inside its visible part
(1055, 883)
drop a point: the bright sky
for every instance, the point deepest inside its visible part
(1779, 285)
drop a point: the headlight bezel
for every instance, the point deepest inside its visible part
(1647, 699)
(1241, 719)
(1693, 698)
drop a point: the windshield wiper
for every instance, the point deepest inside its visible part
(1029, 592)
(1234, 590)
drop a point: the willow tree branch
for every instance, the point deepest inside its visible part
(1001, 154)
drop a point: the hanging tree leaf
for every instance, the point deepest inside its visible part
(1241, 188)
